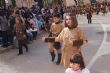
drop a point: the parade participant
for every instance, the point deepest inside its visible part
(72, 39)
(76, 65)
(55, 30)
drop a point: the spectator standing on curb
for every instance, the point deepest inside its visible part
(4, 28)
(11, 22)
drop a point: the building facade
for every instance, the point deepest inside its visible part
(18, 3)
(72, 2)
(29, 3)
(24, 3)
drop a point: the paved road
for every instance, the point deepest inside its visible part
(96, 53)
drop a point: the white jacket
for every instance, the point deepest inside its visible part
(70, 70)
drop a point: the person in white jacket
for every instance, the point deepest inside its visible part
(76, 65)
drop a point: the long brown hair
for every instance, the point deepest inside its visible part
(18, 18)
(77, 58)
(74, 21)
(19, 26)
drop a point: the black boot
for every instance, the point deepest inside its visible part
(59, 59)
(52, 56)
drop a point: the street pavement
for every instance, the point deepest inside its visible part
(96, 52)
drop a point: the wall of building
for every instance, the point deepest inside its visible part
(71, 2)
(86, 2)
(24, 3)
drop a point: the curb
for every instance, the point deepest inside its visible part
(4, 50)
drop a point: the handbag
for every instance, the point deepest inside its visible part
(20, 36)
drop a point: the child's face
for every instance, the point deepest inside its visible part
(75, 66)
(56, 19)
(69, 21)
